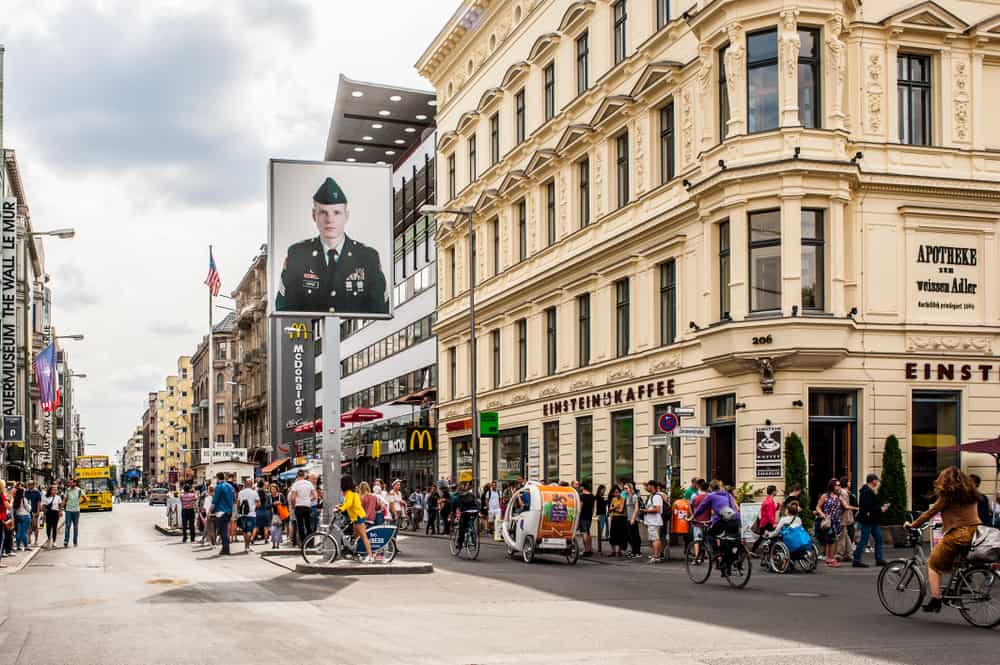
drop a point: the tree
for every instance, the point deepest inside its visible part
(893, 487)
(796, 474)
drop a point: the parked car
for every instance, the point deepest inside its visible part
(158, 495)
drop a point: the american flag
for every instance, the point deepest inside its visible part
(213, 281)
(45, 376)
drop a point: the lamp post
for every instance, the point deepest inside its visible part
(62, 234)
(467, 212)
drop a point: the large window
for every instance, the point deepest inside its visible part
(400, 340)
(522, 230)
(509, 456)
(519, 133)
(620, 30)
(723, 95)
(495, 138)
(765, 260)
(667, 142)
(550, 442)
(585, 449)
(549, 78)
(583, 328)
(550, 340)
(668, 302)
(452, 372)
(913, 75)
(550, 212)
(583, 167)
(472, 158)
(762, 81)
(722, 438)
(522, 349)
(724, 250)
(662, 13)
(622, 448)
(451, 176)
(809, 78)
(495, 237)
(622, 316)
(936, 427)
(582, 63)
(495, 340)
(461, 459)
(621, 168)
(812, 260)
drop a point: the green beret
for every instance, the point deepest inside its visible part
(329, 193)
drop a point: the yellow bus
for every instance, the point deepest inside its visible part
(93, 475)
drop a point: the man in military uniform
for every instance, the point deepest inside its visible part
(331, 272)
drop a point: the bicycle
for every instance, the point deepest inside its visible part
(727, 553)
(471, 544)
(329, 541)
(973, 589)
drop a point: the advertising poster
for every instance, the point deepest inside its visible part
(767, 452)
(330, 227)
(296, 374)
(559, 511)
(8, 307)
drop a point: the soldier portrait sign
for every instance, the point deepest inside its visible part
(330, 232)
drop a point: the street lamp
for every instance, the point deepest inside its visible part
(76, 338)
(62, 234)
(467, 212)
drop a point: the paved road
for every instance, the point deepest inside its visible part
(129, 595)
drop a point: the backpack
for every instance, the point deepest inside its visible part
(264, 499)
(985, 545)
(796, 538)
(244, 508)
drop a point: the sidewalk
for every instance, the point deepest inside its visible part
(19, 562)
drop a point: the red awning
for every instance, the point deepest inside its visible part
(458, 425)
(360, 415)
(270, 468)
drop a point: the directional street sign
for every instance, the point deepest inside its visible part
(686, 412)
(668, 422)
(699, 431)
(661, 440)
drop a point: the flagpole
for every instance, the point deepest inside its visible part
(211, 380)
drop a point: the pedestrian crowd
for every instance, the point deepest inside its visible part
(25, 510)
(130, 494)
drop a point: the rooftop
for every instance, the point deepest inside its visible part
(374, 123)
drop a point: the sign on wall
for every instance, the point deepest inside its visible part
(767, 452)
(8, 307)
(946, 276)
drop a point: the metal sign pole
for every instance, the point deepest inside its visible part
(331, 416)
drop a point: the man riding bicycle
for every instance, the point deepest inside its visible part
(468, 510)
(722, 507)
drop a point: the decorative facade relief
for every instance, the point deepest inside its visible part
(549, 391)
(619, 375)
(873, 93)
(735, 78)
(790, 46)
(563, 203)
(705, 59)
(494, 404)
(837, 64)
(960, 101)
(639, 154)
(518, 398)
(599, 182)
(529, 204)
(673, 361)
(580, 384)
(687, 127)
(982, 345)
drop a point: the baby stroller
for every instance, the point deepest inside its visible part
(793, 547)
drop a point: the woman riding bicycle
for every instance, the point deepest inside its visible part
(957, 501)
(355, 513)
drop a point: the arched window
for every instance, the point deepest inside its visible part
(219, 382)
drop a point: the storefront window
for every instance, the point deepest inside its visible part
(662, 464)
(722, 438)
(509, 452)
(935, 427)
(550, 443)
(622, 446)
(585, 448)
(461, 459)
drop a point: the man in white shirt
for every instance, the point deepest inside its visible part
(653, 518)
(301, 496)
(246, 505)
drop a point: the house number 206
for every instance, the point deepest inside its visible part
(763, 340)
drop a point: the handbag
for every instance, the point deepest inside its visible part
(985, 545)
(755, 527)
(282, 511)
(826, 524)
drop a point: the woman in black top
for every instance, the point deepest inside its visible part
(432, 511)
(601, 509)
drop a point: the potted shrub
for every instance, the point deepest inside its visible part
(796, 474)
(892, 491)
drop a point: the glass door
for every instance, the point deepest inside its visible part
(832, 445)
(722, 439)
(936, 426)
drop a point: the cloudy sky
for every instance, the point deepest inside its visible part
(147, 127)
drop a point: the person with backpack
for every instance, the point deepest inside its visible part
(246, 503)
(265, 511)
(633, 508)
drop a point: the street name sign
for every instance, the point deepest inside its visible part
(700, 431)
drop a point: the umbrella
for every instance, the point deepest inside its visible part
(291, 473)
(989, 447)
(360, 415)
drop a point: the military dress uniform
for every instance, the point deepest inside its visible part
(317, 280)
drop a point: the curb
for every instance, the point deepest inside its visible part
(267, 554)
(22, 561)
(352, 569)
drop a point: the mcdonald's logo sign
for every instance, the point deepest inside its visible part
(376, 449)
(420, 437)
(298, 331)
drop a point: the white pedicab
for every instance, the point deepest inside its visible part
(542, 519)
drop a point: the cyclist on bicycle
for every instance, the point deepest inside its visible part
(725, 514)
(351, 507)
(468, 510)
(957, 501)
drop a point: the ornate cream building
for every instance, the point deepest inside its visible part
(779, 214)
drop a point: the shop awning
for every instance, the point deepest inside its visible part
(988, 447)
(269, 469)
(291, 473)
(360, 415)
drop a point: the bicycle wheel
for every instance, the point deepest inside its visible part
(699, 567)
(901, 587)
(781, 558)
(389, 551)
(472, 545)
(806, 562)
(740, 569)
(320, 548)
(453, 542)
(981, 605)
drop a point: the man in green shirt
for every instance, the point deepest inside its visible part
(72, 515)
(691, 490)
